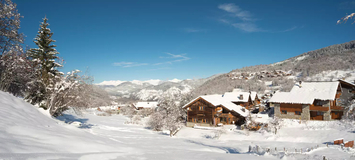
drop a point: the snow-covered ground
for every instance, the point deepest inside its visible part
(30, 133)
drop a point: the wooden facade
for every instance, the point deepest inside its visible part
(337, 114)
(202, 112)
(295, 108)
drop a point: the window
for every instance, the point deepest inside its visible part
(202, 108)
(297, 113)
(204, 120)
(283, 112)
(194, 120)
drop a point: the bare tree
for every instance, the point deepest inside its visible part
(346, 18)
(170, 113)
(15, 72)
(9, 26)
(67, 91)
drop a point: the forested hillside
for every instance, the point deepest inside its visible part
(284, 73)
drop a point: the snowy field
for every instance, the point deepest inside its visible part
(28, 133)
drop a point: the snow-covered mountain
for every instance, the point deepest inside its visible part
(325, 64)
(150, 89)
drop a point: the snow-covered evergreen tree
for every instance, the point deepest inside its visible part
(46, 65)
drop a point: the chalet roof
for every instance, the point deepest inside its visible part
(346, 82)
(146, 104)
(307, 92)
(218, 100)
(236, 96)
(253, 95)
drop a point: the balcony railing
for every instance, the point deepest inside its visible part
(318, 108)
(336, 108)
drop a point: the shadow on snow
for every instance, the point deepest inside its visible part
(67, 118)
(228, 150)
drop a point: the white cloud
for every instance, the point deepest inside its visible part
(129, 64)
(236, 11)
(247, 27)
(290, 29)
(246, 20)
(175, 57)
(242, 19)
(193, 30)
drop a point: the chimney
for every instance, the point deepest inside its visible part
(241, 97)
(300, 84)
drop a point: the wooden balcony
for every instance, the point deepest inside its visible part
(337, 108)
(318, 108)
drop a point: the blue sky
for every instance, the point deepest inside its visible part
(142, 40)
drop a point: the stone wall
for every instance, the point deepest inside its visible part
(291, 115)
(305, 112)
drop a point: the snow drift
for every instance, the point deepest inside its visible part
(24, 129)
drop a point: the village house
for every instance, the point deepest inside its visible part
(145, 105)
(249, 100)
(312, 101)
(213, 110)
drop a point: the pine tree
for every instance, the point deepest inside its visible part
(44, 57)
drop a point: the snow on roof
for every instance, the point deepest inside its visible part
(288, 97)
(307, 92)
(253, 95)
(146, 104)
(349, 83)
(218, 100)
(237, 96)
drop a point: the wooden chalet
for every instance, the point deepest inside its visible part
(213, 110)
(312, 101)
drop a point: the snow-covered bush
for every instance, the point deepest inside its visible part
(128, 111)
(68, 90)
(350, 111)
(170, 113)
(15, 72)
(156, 121)
(136, 119)
(145, 112)
(274, 125)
